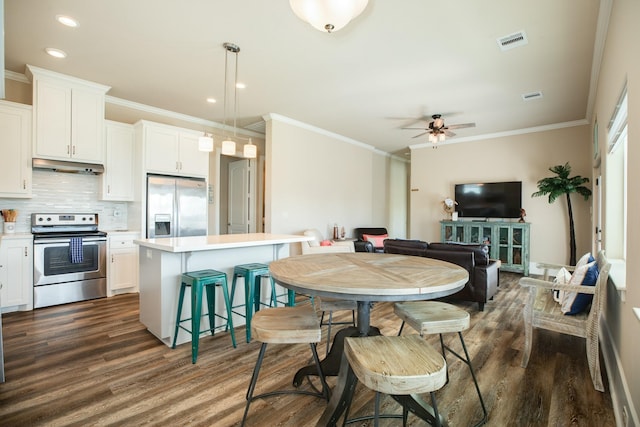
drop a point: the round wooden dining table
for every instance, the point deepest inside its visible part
(365, 278)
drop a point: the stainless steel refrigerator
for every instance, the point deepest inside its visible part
(176, 207)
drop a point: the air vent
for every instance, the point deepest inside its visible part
(513, 40)
(259, 127)
(531, 95)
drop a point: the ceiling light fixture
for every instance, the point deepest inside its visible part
(56, 53)
(250, 150)
(228, 145)
(205, 142)
(67, 20)
(328, 15)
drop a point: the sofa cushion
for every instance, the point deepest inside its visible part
(480, 252)
(405, 247)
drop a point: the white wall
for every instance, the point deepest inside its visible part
(315, 179)
(621, 62)
(526, 158)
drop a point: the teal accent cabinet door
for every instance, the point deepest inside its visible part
(507, 241)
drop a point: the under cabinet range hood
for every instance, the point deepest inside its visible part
(68, 167)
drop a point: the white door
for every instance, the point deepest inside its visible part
(240, 212)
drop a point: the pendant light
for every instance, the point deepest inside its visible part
(250, 151)
(328, 15)
(205, 142)
(228, 145)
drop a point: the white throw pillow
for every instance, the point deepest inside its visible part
(575, 302)
(562, 278)
(584, 259)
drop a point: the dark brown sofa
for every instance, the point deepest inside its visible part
(483, 272)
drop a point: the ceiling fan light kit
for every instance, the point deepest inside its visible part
(328, 15)
(437, 131)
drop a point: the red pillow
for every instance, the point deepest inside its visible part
(326, 243)
(377, 240)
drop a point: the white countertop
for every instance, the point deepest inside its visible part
(222, 241)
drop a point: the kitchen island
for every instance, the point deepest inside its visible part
(163, 260)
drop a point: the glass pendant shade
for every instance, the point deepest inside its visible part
(327, 15)
(205, 143)
(228, 147)
(250, 151)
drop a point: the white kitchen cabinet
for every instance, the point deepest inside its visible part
(117, 179)
(172, 150)
(193, 162)
(16, 270)
(122, 272)
(15, 145)
(68, 116)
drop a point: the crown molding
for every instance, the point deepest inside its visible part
(306, 126)
(178, 116)
(524, 131)
(18, 77)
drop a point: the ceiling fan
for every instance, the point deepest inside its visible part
(437, 130)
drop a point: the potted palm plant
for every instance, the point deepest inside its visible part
(562, 184)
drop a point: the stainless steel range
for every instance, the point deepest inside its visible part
(69, 258)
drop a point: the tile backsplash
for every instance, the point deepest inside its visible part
(57, 192)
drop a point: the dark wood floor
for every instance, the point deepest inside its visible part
(94, 364)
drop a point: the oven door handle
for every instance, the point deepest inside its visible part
(67, 240)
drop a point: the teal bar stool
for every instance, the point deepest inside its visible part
(252, 275)
(197, 281)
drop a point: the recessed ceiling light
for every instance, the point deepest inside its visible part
(240, 85)
(56, 53)
(211, 101)
(67, 20)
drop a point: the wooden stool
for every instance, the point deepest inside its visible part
(197, 280)
(397, 366)
(285, 325)
(330, 305)
(433, 317)
(252, 275)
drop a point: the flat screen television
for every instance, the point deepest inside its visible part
(489, 199)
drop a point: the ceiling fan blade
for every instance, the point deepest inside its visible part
(421, 128)
(462, 125)
(418, 136)
(448, 133)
